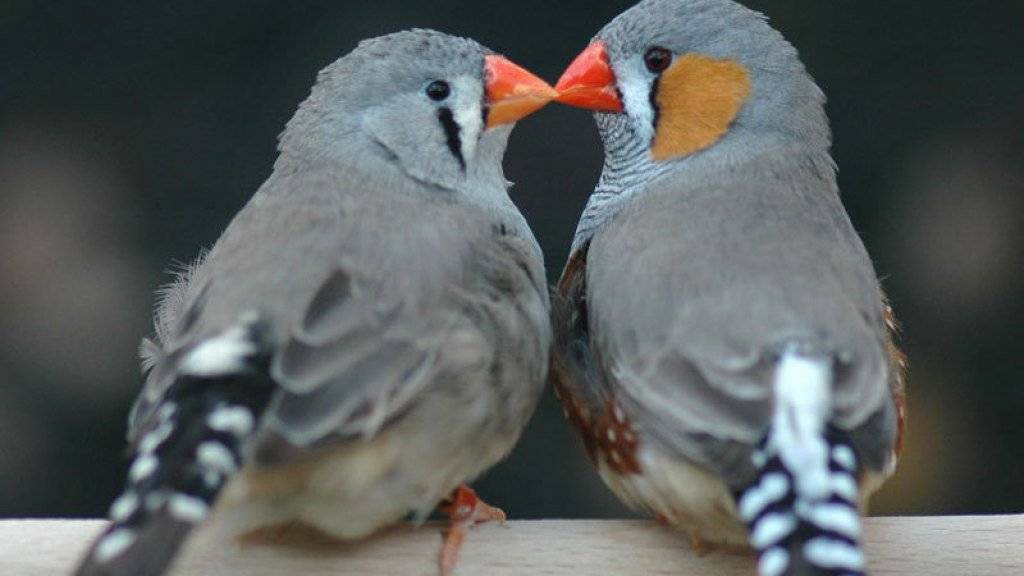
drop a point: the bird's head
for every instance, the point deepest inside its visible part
(676, 78)
(439, 107)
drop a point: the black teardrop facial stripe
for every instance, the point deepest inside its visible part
(452, 134)
(654, 103)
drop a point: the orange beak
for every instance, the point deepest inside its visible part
(512, 91)
(589, 82)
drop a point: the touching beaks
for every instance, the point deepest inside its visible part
(589, 82)
(512, 91)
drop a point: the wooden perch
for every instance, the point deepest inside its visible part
(925, 546)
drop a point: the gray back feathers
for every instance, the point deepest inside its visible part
(367, 111)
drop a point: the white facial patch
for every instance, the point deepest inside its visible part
(468, 96)
(635, 84)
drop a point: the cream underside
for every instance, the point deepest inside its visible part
(689, 497)
(360, 487)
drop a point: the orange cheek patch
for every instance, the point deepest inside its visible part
(698, 98)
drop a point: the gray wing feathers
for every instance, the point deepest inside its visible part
(364, 312)
(354, 361)
(349, 376)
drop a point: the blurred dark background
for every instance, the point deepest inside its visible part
(130, 134)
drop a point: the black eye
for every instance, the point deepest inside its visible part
(438, 90)
(657, 59)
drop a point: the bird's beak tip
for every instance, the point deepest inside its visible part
(589, 82)
(513, 92)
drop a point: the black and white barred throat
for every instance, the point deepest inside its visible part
(628, 167)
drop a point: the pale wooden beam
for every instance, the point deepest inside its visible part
(919, 546)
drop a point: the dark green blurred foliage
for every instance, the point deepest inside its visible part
(129, 135)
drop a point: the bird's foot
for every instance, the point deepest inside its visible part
(700, 547)
(465, 509)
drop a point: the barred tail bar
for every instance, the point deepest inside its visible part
(802, 510)
(187, 453)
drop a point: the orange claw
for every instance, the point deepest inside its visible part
(465, 509)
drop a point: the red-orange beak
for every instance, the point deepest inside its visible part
(589, 81)
(512, 91)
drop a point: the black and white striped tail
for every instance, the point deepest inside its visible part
(185, 455)
(796, 536)
(802, 510)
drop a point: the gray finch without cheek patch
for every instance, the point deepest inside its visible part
(358, 322)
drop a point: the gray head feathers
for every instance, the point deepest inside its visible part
(785, 105)
(784, 109)
(369, 110)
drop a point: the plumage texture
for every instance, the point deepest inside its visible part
(400, 296)
(692, 276)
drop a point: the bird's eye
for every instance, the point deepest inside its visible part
(657, 59)
(438, 90)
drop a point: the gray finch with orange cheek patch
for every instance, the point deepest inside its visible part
(722, 341)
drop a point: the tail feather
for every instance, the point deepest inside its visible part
(802, 510)
(184, 457)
